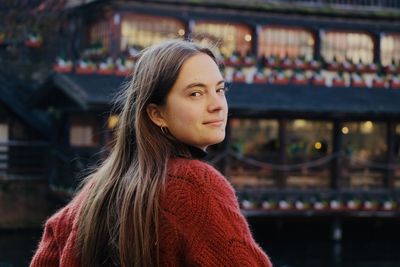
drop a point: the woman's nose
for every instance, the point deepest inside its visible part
(216, 102)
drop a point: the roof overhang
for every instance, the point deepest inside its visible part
(93, 92)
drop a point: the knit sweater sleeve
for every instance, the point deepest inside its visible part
(47, 253)
(57, 246)
(207, 219)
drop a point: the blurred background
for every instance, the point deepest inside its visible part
(313, 143)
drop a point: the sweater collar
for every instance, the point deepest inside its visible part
(197, 153)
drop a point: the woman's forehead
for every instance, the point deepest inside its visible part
(200, 68)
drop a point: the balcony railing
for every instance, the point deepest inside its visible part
(331, 5)
(62, 168)
(22, 160)
(371, 5)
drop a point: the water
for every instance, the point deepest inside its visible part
(366, 242)
(17, 247)
(289, 243)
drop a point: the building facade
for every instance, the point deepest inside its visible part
(314, 120)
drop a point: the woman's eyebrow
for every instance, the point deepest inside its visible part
(191, 85)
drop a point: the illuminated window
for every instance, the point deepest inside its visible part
(99, 33)
(352, 46)
(141, 31)
(390, 49)
(228, 37)
(84, 132)
(281, 42)
(309, 146)
(397, 157)
(364, 146)
(255, 146)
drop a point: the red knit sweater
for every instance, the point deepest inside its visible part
(200, 224)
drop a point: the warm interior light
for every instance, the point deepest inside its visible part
(367, 127)
(318, 145)
(181, 32)
(247, 37)
(112, 121)
(299, 123)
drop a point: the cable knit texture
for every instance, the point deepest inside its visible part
(200, 224)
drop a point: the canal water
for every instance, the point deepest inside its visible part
(294, 243)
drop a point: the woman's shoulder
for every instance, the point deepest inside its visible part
(194, 170)
(195, 193)
(194, 177)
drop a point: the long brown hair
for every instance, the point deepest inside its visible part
(118, 223)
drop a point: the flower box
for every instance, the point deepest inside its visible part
(358, 84)
(378, 84)
(300, 81)
(281, 80)
(259, 79)
(33, 43)
(370, 205)
(249, 62)
(319, 81)
(233, 62)
(105, 71)
(313, 65)
(248, 204)
(371, 68)
(333, 66)
(353, 204)
(62, 69)
(287, 64)
(239, 78)
(336, 205)
(338, 83)
(88, 70)
(391, 69)
(347, 66)
(395, 84)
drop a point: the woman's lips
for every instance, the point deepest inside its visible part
(215, 123)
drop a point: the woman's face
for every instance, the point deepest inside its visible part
(196, 109)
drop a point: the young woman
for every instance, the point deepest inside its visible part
(153, 202)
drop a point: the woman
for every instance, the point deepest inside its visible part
(153, 202)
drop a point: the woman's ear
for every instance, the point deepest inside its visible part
(154, 113)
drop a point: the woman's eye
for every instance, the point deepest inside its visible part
(222, 90)
(195, 94)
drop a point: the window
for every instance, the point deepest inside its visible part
(390, 49)
(396, 170)
(309, 148)
(20, 131)
(228, 37)
(140, 31)
(282, 41)
(364, 147)
(84, 132)
(254, 150)
(99, 34)
(351, 46)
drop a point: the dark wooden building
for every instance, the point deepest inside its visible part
(24, 135)
(314, 124)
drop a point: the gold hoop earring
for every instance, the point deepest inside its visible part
(164, 130)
